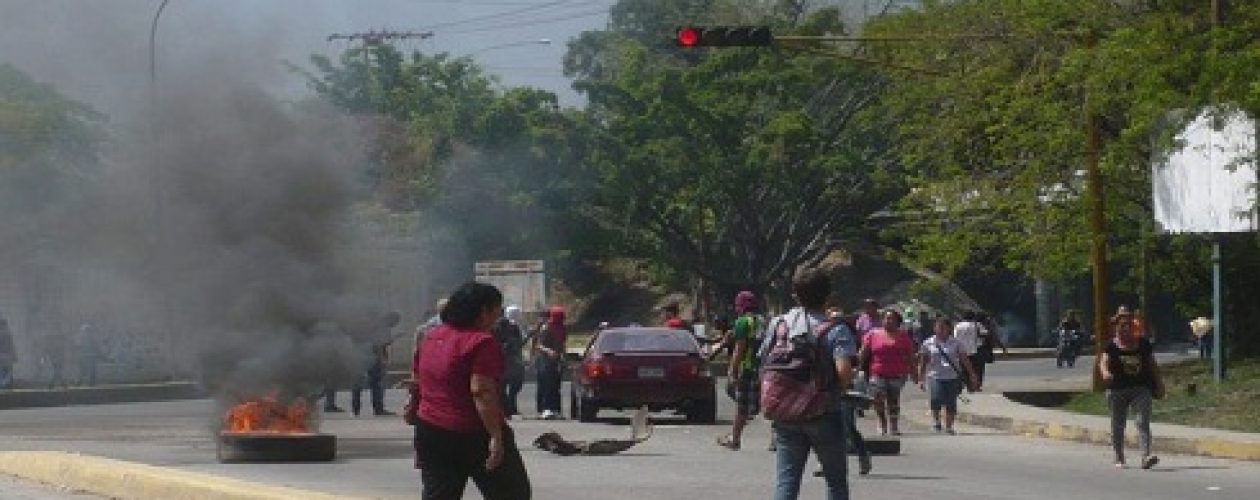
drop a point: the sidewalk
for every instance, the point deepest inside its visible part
(998, 412)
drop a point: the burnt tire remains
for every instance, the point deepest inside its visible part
(276, 447)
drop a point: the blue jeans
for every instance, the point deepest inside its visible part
(848, 412)
(944, 394)
(826, 436)
(6, 376)
(375, 382)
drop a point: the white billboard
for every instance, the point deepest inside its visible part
(1207, 184)
(523, 282)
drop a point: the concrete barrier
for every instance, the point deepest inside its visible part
(127, 480)
(132, 393)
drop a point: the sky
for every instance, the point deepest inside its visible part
(97, 50)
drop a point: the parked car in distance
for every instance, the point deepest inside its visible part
(636, 366)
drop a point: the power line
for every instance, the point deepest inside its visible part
(532, 22)
(534, 8)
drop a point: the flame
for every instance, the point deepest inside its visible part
(268, 414)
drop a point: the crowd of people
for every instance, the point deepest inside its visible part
(809, 371)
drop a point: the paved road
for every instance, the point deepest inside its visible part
(679, 462)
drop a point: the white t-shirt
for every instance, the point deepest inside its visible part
(968, 334)
(937, 368)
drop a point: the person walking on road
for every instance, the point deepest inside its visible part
(945, 368)
(742, 369)
(90, 353)
(548, 354)
(891, 353)
(969, 333)
(1128, 367)
(988, 340)
(379, 342)
(8, 355)
(508, 333)
(461, 432)
(804, 336)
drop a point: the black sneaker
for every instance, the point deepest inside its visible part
(333, 409)
(383, 413)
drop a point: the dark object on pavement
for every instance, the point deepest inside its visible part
(636, 366)
(238, 447)
(883, 446)
(641, 430)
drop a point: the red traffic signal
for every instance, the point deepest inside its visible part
(723, 36)
(688, 36)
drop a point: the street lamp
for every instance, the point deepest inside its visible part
(540, 41)
(153, 46)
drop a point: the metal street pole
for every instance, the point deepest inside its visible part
(163, 274)
(1218, 324)
(153, 46)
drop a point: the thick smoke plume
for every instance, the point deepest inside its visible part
(219, 235)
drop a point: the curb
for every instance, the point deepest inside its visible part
(127, 480)
(1207, 447)
(134, 393)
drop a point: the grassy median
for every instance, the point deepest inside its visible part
(1232, 404)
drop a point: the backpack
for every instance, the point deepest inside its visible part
(796, 375)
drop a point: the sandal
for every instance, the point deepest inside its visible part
(728, 442)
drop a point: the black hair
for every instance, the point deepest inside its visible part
(944, 320)
(467, 303)
(969, 315)
(812, 288)
(900, 320)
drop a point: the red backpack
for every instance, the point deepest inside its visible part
(796, 376)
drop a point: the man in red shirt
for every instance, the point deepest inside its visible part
(673, 318)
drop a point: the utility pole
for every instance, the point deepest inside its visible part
(1097, 226)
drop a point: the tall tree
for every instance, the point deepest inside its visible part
(733, 165)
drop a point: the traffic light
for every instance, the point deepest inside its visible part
(723, 36)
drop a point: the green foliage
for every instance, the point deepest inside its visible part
(997, 145)
(732, 165)
(496, 164)
(47, 142)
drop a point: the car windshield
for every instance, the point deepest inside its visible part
(646, 341)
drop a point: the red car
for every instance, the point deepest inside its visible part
(635, 366)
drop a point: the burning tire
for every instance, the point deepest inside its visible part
(235, 447)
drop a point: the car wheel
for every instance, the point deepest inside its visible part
(587, 410)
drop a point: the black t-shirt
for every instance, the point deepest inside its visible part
(1130, 368)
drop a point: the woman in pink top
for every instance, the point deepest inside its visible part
(891, 353)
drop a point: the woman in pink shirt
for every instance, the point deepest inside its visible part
(891, 353)
(461, 432)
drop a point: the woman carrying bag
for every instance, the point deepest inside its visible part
(1128, 367)
(940, 359)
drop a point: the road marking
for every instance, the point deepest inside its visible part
(1214, 488)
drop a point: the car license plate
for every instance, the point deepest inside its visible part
(651, 372)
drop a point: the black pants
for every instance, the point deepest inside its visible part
(375, 383)
(512, 382)
(449, 459)
(977, 364)
(549, 373)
